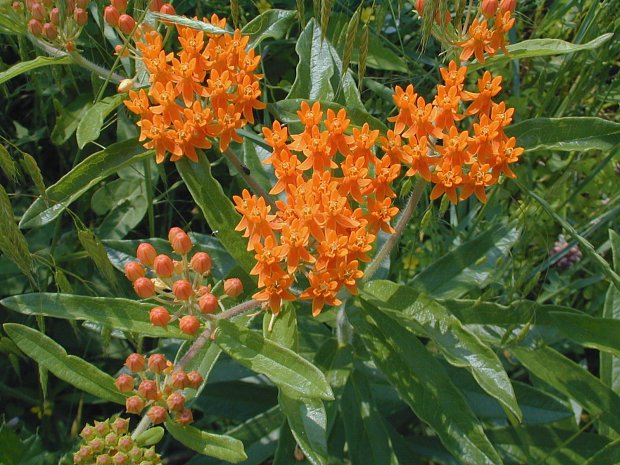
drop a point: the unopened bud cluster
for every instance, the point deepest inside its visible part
(108, 443)
(185, 285)
(59, 22)
(157, 386)
(570, 258)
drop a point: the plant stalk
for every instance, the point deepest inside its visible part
(247, 176)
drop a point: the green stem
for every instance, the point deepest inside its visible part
(144, 424)
(148, 185)
(392, 241)
(246, 175)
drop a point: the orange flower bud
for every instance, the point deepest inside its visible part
(233, 287)
(81, 16)
(102, 428)
(18, 7)
(88, 433)
(55, 16)
(111, 15)
(111, 439)
(181, 243)
(179, 379)
(103, 459)
(173, 232)
(135, 363)
(157, 414)
(35, 28)
(144, 287)
(156, 5)
(70, 46)
(150, 454)
(120, 425)
(126, 23)
(125, 443)
(163, 266)
(38, 12)
(202, 290)
(167, 9)
(120, 5)
(84, 455)
(158, 363)
(125, 383)
(133, 271)
(182, 289)
(146, 253)
(194, 380)
(134, 404)
(159, 316)
(50, 31)
(201, 262)
(185, 417)
(120, 459)
(96, 445)
(189, 324)
(419, 6)
(489, 7)
(175, 402)
(208, 303)
(508, 5)
(148, 389)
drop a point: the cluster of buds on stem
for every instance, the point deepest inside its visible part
(108, 443)
(117, 16)
(160, 388)
(185, 285)
(570, 258)
(57, 22)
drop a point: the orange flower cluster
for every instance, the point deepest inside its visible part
(338, 196)
(427, 139)
(482, 37)
(206, 91)
(184, 284)
(160, 389)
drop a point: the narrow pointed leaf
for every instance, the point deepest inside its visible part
(38, 62)
(215, 445)
(272, 24)
(90, 125)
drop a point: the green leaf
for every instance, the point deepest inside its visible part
(38, 62)
(573, 381)
(566, 134)
(460, 347)
(367, 436)
(609, 455)
(470, 266)
(272, 24)
(90, 125)
(283, 366)
(424, 385)
(69, 368)
(82, 177)
(69, 116)
(216, 207)
(150, 437)
(96, 251)
(542, 47)
(120, 314)
(13, 244)
(7, 164)
(215, 445)
(193, 23)
(32, 169)
(253, 157)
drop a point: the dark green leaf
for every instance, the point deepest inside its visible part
(90, 125)
(609, 455)
(272, 24)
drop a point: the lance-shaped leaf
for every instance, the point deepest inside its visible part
(283, 366)
(69, 368)
(424, 385)
(608, 455)
(117, 313)
(459, 346)
(272, 24)
(38, 62)
(89, 127)
(215, 445)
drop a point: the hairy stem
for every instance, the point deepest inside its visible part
(247, 176)
(392, 241)
(144, 424)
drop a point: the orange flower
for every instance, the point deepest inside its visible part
(323, 289)
(276, 288)
(479, 41)
(447, 179)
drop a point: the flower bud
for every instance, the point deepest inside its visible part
(18, 7)
(146, 253)
(185, 417)
(35, 28)
(163, 266)
(50, 31)
(175, 402)
(419, 6)
(489, 7)
(208, 303)
(182, 289)
(38, 12)
(233, 287)
(55, 16)
(120, 5)
(80, 15)
(70, 46)
(144, 287)
(126, 84)
(125, 443)
(102, 428)
(96, 445)
(155, 5)
(111, 439)
(194, 379)
(189, 324)
(158, 363)
(111, 15)
(120, 425)
(157, 414)
(126, 23)
(121, 459)
(159, 316)
(173, 232)
(148, 389)
(135, 363)
(201, 262)
(82, 3)
(150, 454)
(88, 433)
(167, 9)
(178, 379)
(125, 383)
(70, 7)
(179, 266)
(83, 455)
(181, 243)
(133, 271)
(103, 459)
(507, 5)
